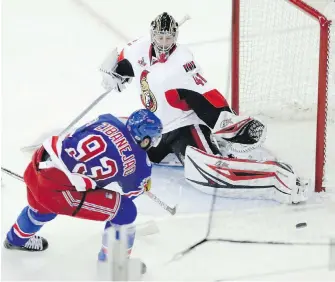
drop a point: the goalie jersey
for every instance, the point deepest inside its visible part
(100, 153)
(175, 89)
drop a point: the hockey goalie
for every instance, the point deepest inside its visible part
(220, 151)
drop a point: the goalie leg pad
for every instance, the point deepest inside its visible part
(242, 178)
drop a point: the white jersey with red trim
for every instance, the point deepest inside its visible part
(158, 80)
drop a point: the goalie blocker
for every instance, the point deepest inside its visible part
(236, 178)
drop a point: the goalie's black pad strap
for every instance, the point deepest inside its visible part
(207, 106)
(124, 68)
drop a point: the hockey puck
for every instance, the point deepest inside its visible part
(301, 225)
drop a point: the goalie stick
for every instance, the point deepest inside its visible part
(64, 131)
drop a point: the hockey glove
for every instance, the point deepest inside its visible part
(240, 133)
(116, 74)
(113, 81)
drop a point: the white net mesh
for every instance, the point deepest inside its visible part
(279, 64)
(279, 59)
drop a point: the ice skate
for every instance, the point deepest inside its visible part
(34, 244)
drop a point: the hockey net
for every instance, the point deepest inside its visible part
(283, 68)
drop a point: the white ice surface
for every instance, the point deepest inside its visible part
(51, 51)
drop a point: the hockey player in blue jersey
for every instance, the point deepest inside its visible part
(67, 176)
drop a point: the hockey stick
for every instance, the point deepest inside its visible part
(83, 113)
(171, 210)
(19, 177)
(12, 174)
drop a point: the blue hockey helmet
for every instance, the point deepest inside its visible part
(145, 127)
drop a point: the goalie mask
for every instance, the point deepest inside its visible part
(164, 33)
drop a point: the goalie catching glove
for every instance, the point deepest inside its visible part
(116, 73)
(238, 133)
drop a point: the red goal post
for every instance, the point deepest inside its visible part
(263, 55)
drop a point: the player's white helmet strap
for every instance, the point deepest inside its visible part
(164, 33)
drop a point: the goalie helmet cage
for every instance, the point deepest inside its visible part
(281, 49)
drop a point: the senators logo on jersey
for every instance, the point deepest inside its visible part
(147, 97)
